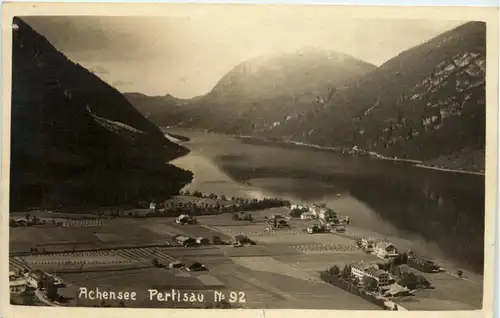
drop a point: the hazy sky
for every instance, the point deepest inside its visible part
(186, 56)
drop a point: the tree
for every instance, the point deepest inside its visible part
(346, 272)
(51, 289)
(334, 270)
(396, 271)
(370, 283)
(409, 280)
(356, 281)
(216, 240)
(155, 262)
(295, 213)
(422, 281)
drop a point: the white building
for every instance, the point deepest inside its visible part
(360, 270)
(202, 241)
(299, 207)
(307, 216)
(385, 250)
(33, 278)
(368, 244)
(17, 286)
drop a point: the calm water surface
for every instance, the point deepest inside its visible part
(442, 211)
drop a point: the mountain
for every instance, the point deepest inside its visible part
(257, 93)
(163, 110)
(427, 103)
(76, 141)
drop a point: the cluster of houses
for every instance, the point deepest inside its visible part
(382, 249)
(423, 264)
(17, 283)
(185, 219)
(187, 241)
(385, 282)
(321, 212)
(191, 266)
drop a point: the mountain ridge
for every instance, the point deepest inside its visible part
(427, 104)
(254, 96)
(391, 109)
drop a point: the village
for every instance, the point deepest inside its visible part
(193, 237)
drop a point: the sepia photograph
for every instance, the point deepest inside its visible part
(250, 156)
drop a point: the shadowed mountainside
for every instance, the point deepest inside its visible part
(76, 141)
(260, 92)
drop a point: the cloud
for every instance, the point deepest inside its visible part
(121, 83)
(186, 56)
(99, 70)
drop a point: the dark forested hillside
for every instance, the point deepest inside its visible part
(427, 103)
(75, 140)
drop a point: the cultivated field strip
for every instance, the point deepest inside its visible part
(144, 254)
(256, 231)
(324, 248)
(82, 223)
(17, 262)
(80, 258)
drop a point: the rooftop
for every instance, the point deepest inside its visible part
(364, 266)
(385, 245)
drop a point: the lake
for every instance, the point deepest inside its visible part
(441, 213)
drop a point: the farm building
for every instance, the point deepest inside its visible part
(34, 277)
(184, 240)
(195, 267)
(368, 244)
(385, 250)
(175, 264)
(307, 215)
(299, 207)
(202, 241)
(423, 264)
(185, 219)
(18, 286)
(13, 275)
(243, 240)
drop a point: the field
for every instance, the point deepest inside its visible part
(280, 271)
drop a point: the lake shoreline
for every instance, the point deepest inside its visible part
(416, 163)
(234, 172)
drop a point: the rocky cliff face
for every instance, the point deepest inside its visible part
(75, 140)
(427, 103)
(259, 94)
